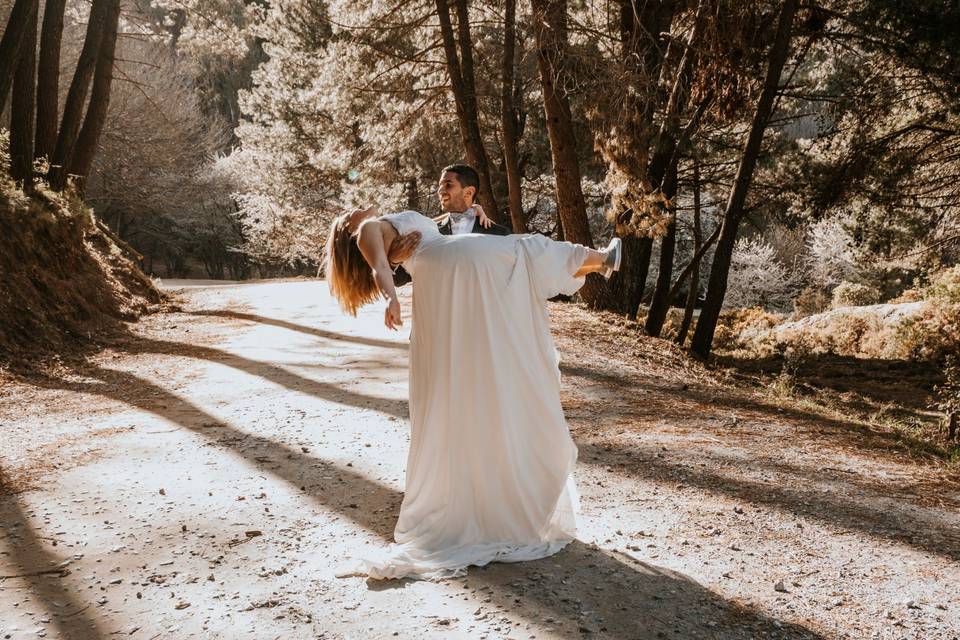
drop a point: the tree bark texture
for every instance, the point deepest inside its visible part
(412, 193)
(11, 44)
(460, 70)
(89, 138)
(550, 32)
(664, 293)
(667, 136)
(22, 106)
(717, 287)
(508, 121)
(660, 302)
(72, 118)
(641, 22)
(627, 286)
(48, 78)
(694, 290)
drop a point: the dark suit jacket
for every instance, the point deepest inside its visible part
(401, 277)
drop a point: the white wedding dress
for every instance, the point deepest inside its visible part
(489, 472)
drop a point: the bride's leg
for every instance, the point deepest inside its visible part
(592, 263)
(605, 261)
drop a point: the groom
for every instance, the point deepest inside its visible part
(457, 190)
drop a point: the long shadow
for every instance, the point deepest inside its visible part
(878, 380)
(623, 597)
(880, 522)
(67, 612)
(867, 437)
(737, 400)
(312, 331)
(589, 373)
(292, 465)
(657, 603)
(273, 373)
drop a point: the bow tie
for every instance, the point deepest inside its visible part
(455, 218)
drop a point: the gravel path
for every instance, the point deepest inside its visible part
(207, 477)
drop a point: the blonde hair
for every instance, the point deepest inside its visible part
(349, 276)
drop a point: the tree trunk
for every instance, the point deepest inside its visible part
(413, 194)
(508, 120)
(86, 147)
(667, 138)
(22, 106)
(660, 302)
(694, 291)
(77, 95)
(48, 78)
(663, 172)
(460, 70)
(717, 287)
(550, 30)
(627, 286)
(640, 27)
(11, 44)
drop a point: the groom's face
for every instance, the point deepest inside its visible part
(453, 197)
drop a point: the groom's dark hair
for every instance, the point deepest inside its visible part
(467, 176)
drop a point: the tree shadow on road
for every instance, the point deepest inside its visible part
(35, 564)
(644, 397)
(273, 373)
(312, 331)
(650, 602)
(845, 505)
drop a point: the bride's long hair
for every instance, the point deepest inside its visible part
(349, 276)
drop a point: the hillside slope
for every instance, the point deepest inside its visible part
(65, 282)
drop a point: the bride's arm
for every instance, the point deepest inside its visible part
(371, 246)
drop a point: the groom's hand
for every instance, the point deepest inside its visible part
(402, 247)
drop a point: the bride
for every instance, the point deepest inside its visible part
(489, 471)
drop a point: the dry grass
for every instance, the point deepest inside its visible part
(883, 402)
(65, 284)
(623, 341)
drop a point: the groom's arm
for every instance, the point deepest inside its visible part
(401, 277)
(401, 249)
(485, 225)
(496, 230)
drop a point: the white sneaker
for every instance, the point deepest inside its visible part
(614, 254)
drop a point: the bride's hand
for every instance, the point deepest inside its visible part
(485, 222)
(391, 315)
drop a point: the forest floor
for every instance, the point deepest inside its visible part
(207, 475)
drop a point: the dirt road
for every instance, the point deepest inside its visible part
(207, 477)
